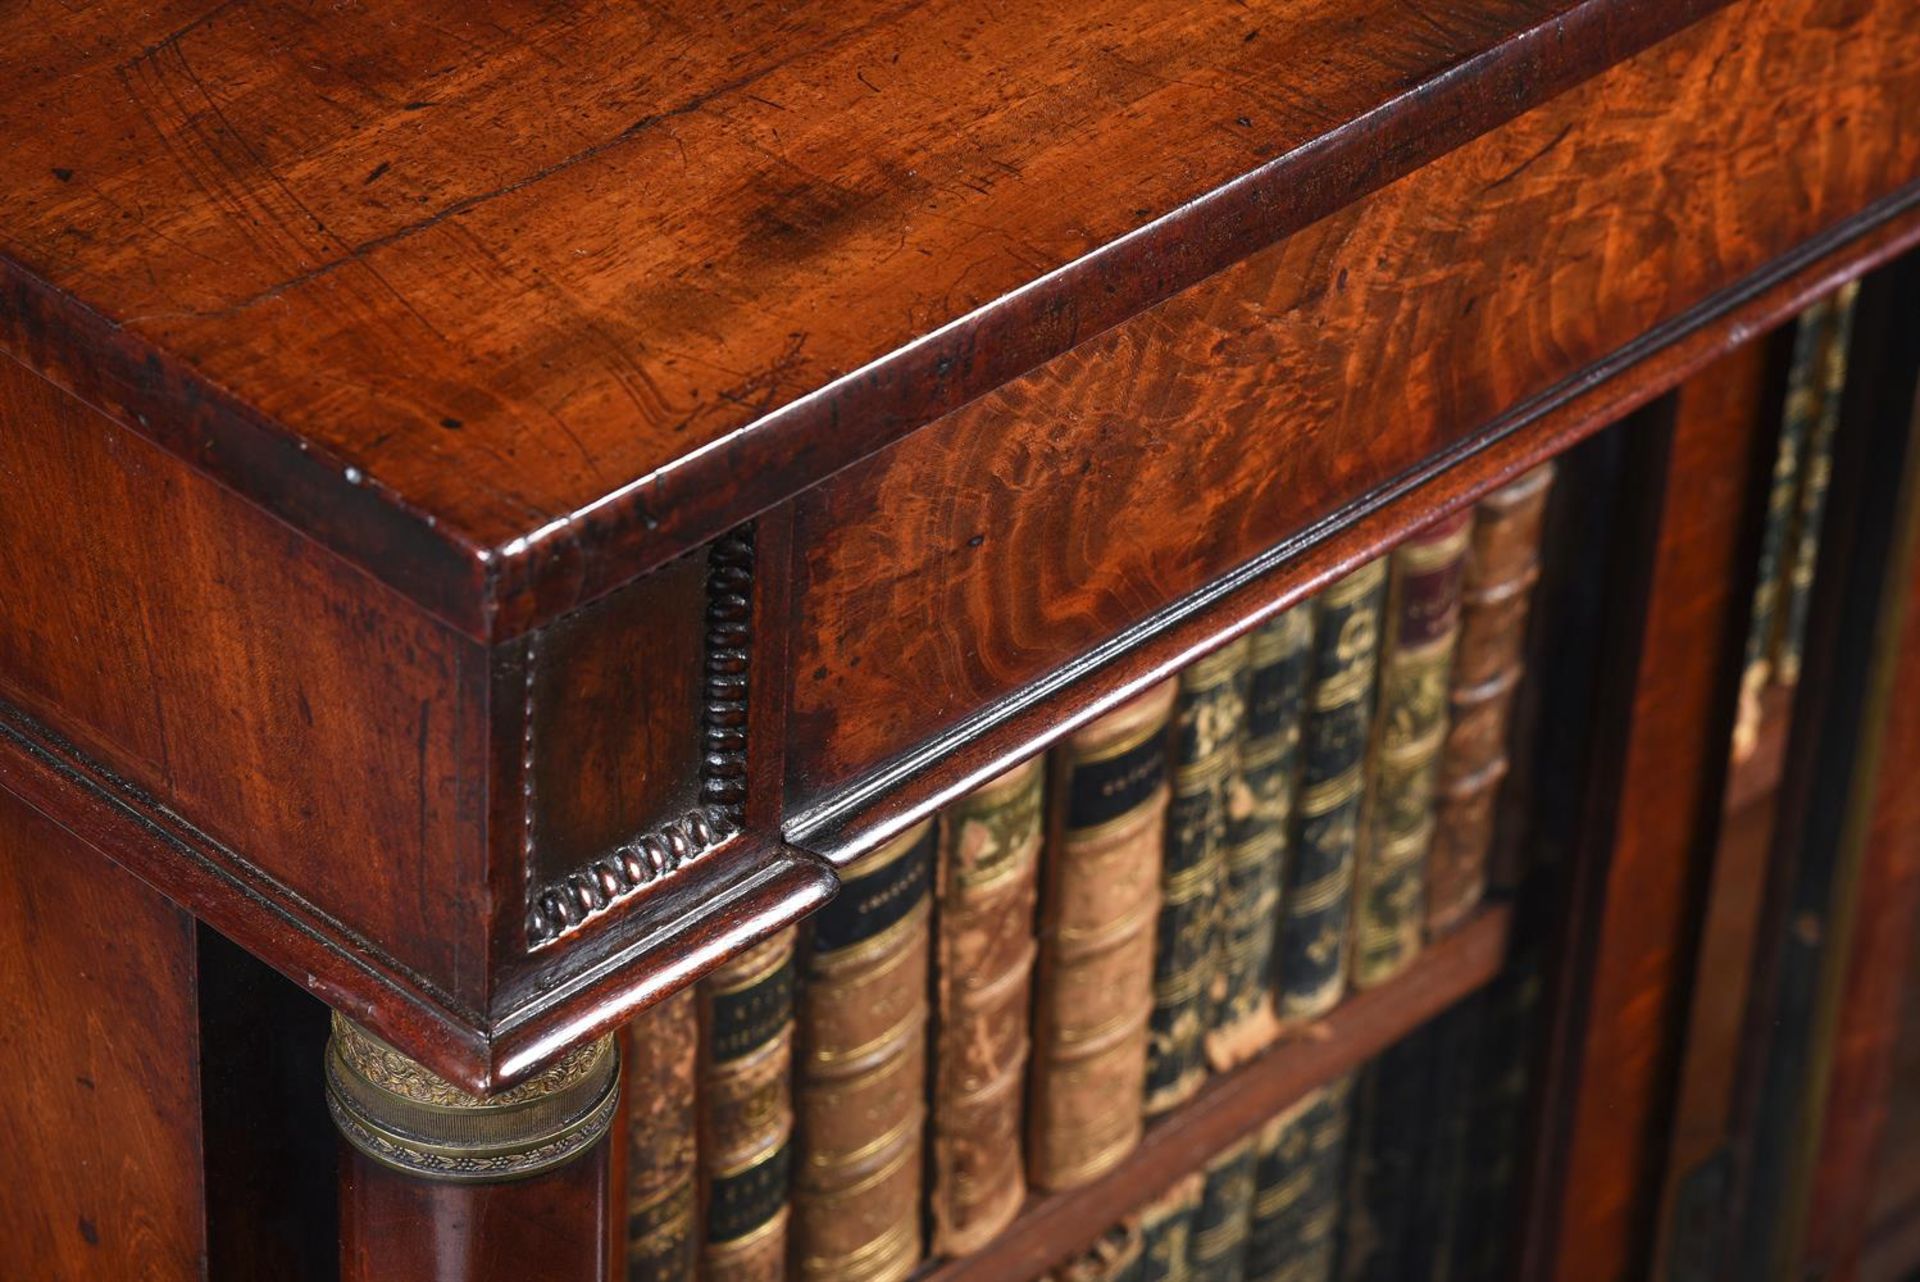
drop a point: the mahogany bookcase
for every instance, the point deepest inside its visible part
(496, 511)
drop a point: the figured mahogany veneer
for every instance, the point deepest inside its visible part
(478, 521)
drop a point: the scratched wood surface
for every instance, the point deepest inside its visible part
(100, 1118)
(492, 302)
(1072, 504)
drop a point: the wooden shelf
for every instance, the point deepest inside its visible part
(1053, 1227)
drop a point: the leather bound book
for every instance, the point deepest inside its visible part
(662, 1164)
(1423, 625)
(1206, 734)
(1299, 1169)
(1166, 1232)
(1503, 564)
(1815, 475)
(1318, 902)
(747, 1110)
(1116, 1257)
(1220, 1225)
(983, 968)
(1801, 408)
(860, 1085)
(1094, 976)
(1259, 806)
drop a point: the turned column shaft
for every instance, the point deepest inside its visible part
(438, 1185)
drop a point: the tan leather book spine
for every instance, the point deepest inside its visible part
(662, 1163)
(983, 973)
(1094, 975)
(1503, 564)
(747, 1113)
(860, 1083)
(1423, 627)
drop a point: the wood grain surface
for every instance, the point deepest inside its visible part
(510, 308)
(99, 1049)
(293, 707)
(990, 550)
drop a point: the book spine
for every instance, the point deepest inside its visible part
(662, 1165)
(983, 933)
(1166, 1233)
(747, 1113)
(1259, 807)
(861, 1081)
(1423, 628)
(1796, 424)
(1299, 1169)
(1319, 879)
(1503, 564)
(1225, 1215)
(1206, 732)
(1116, 1257)
(1094, 975)
(1817, 475)
(1397, 1120)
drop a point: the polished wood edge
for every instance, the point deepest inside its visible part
(785, 885)
(847, 822)
(754, 891)
(497, 593)
(218, 886)
(1231, 1106)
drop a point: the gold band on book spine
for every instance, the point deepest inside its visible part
(1502, 566)
(1094, 974)
(989, 857)
(1423, 613)
(860, 1082)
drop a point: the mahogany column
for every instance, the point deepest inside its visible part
(437, 1185)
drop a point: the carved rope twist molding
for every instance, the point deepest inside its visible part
(583, 894)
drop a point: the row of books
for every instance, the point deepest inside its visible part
(1269, 1207)
(1000, 999)
(1796, 505)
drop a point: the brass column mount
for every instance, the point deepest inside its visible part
(407, 1117)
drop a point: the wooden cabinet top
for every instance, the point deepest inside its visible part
(499, 504)
(508, 307)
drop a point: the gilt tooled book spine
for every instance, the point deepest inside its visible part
(1503, 564)
(860, 1083)
(747, 1113)
(1299, 1170)
(984, 944)
(1221, 1224)
(1206, 733)
(1318, 902)
(1116, 1257)
(1259, 806)
(1423, 626)
(1801, 409)
(1166, 1233)
(662, 1054)
(1816, 475)
(1094, 976)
